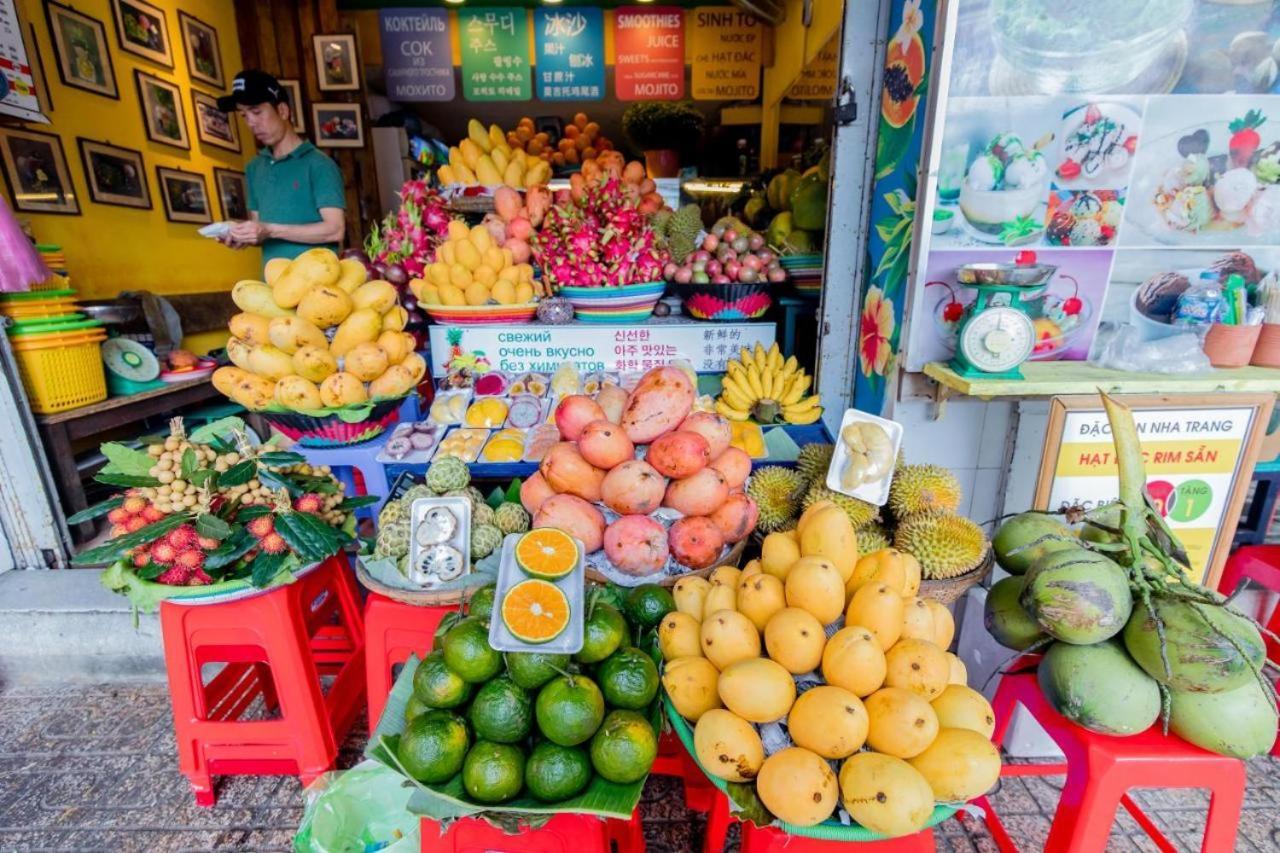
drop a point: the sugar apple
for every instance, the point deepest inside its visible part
(511, 518)
(393, 539)
(471, 493)
(485, 539)
(481, 513)
(392, 511)
(447, 474)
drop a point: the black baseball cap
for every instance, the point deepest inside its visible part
(251, 87)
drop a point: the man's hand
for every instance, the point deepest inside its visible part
(247, 233)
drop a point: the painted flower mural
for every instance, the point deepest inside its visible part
(875, 333)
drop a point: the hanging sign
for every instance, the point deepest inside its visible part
(726, 48)
(570, 54)
(17, 84)
(1199, 453)
(495, 54)
(416, 55)
(649, 53)
(817, 82)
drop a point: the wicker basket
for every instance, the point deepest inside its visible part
(948, 590)
(730, 559)
(419, 597)
(332, 430)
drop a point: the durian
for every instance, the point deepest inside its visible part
(860, 512)
(682, 231)
(814, 460)
(923, 488)
(777, 492)
(511, 518)
(872, 537)
(946, 545)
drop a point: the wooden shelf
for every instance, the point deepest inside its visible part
(1053, 378)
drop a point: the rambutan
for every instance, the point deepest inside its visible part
(273, 543)
(162, 552)
(312, 503)
(190, 559)
(176, 576)
(183, 537)
(199, 577)
(152, 514)
(140, 559)
(262, 526)
(135, 523)
(118, 530)
(118, 515)
(134, 505)
(208, 544)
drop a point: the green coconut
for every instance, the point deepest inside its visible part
(1012, 542)
(1110, 515)
(1099, 687)
(1005, 617)
(1209, 649)
(1240, 723)
(1078, 596)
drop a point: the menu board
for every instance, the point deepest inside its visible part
(817, 82)
(1142, 165)
(1198, 454)
(495, 54)
(649, 53)
(570, 54)
(416, 56)
(17, 84)
(726, 48)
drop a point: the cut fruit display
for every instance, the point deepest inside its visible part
(535, 611)
(546, 553)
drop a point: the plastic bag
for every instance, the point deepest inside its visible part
(360, 810)
(1120, 347)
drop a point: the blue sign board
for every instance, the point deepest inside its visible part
(570, 54)
(416, 54)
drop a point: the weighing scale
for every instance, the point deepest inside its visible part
(996, 333)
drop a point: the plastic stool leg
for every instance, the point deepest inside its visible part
(1226, 800)
(1086, 812)
(994, 825)
(718, 820)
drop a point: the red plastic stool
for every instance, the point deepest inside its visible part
(1101, 769)
(674, 760)
(394, 630)
(768, 840)
(277, 645)
(1260, 564)
(564, 833)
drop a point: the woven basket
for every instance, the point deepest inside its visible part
(418, 598)
(948, 590)
(730, 559)
(333, 431)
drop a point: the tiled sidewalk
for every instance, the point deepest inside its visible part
(93, 768)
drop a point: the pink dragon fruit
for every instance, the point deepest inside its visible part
(409, 235)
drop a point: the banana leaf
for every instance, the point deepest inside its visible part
(448, 801)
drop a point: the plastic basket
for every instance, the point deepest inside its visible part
(331, 430)
(40, 309)
(61, 371)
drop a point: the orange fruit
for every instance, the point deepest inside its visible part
(547, 553)
(535, 611)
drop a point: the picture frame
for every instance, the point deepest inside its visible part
(203, 50)
(162, 113)
(80, 50)
(232, 190)
(114, 175)
(337, 125)
(185, 196)
(143, 30)
(36, 171)
(337, 62)
(297, 112)
(213, 126)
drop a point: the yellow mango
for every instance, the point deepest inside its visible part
(395, 382)
(226, 378)
(275, 267)
(504, 292)
(466, 176)
(455, 157)
(325, 306)
(291, 334)
(487, 173)
(524, 293)
(539, 173)
(378, 295)
(471, 153)
(238, 351)
(250, 328)
(396, 345)
(459, 276)
(497, 139)
(493, 258)
(446, 175)
(451, 294)
(416, 365)
(314, 364)
(430, 295)
(478, 136)
(828, 533)
(484, 275)
(360, 327)
(480, 238)
(255, 298)
(270, 362)
(508, 273)
(255, 393)
(467, 253)
(438, 273)
(353, 274)
(446, 255)
(341, 389)
(457, 230)
(477, 294)
(298, 394)
(395, 319)
(500, 158)
(313, 268)
(365, 361)
(513, 176)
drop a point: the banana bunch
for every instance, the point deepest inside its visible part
(761, 386)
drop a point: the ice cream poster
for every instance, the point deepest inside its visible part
(1065, 313)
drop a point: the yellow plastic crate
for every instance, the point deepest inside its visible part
(61, 371)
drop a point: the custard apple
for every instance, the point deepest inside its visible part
(481, 513)
(485, 539)
(392, 511)
(447, 474)
(511, 518)
(419, 491)
(471, 493)
(393, 539)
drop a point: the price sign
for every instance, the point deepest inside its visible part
(570, 52)
(495, 54)
(817, 82)
(17, 84)
(416, 54)
(726, 48)
(649, 47)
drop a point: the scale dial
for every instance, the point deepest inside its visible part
(997, 339)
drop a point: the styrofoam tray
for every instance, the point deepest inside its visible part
(876, 492)
(572, 585)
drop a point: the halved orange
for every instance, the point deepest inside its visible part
(547, 553)
(535, 611)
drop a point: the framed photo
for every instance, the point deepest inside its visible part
(297, 114)
(80, 50)
(184, 195)
(337, 65)
(233, 193)
(200, 43)
(115, 175)
(142, 30)
(35, 167)
(162, 110)
(213, 126)
(337, 125)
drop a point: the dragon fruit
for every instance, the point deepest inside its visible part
(409, 235)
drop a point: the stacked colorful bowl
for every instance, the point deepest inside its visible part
(805, 272)
(57, 349)
(631, 303)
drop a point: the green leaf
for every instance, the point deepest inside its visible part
(114, 549)
(249, 513)
(217, 434)
(310, 537)
(150, 571)
(131, 481)
(189, 463)
(232, 548)
(745, 804)
(96, 511)
(513, 492)
(275, 481)
(122, 459)
(319, 485)
(265, 567)
(212, 527)
(219, 445)
(282, 457)
(357, 501)
(204, 477)
(239, 473)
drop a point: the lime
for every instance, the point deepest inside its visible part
(501, 711)
(555, 772)
(433, 746)
(603, 631)
(468, 653)
(413, 708)
(569, 709)
(628, 679)
(493, 772)
(437, 686)
(481, 603)
(646, 605)
(624, 748)
(531, 670)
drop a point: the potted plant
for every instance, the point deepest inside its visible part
(661, 129)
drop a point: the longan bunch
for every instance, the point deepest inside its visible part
(329, 503)
(175, 494)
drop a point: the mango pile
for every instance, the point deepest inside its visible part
(745, 650)
(317, 335)
(486, 157)
(471, 269)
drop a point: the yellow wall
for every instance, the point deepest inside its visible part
(111, 248)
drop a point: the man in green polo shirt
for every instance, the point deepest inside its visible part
(296, 198)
